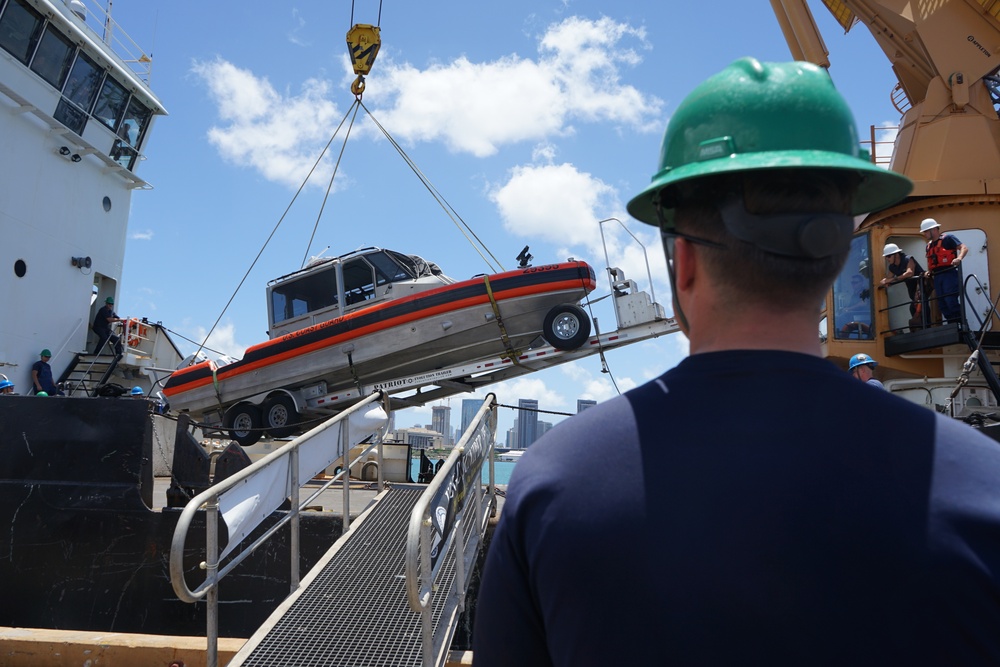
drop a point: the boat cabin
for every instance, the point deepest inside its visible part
(357, 280)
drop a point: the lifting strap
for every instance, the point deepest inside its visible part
(511, 353)
(354, 373)
(215, 382)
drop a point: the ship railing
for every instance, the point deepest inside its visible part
(880, 144)
(447, 527)
(98, 22)
(265, 485)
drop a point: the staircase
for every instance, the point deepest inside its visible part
(88, 372)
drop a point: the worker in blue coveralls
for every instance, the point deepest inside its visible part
(105, 317)
(809, 520)
(41, 376)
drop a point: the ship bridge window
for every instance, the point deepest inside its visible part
(853, 315)
(53, 57)
(111, 103)
(20, 28)
(79, 93)
(132, 128)
(311, 292)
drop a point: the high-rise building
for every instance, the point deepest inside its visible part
(527, 422)
(420, 438)
(543, 428)
(470, 406)
(441, 422)
(584, 403)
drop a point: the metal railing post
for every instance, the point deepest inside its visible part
(211, 576)
(293, 525)
(426, 589)
(345, 444)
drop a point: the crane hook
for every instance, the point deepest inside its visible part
(363, 42)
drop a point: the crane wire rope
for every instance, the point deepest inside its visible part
(379, 13)
(273, 232)
(435, 193)
(329, 187)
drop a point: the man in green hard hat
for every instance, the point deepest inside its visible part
(762, 506)
(105, 317)
(41, 376)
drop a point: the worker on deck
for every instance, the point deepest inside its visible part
(944, 254)
(862, 367)
(805, 520)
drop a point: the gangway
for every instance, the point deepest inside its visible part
(390, 590)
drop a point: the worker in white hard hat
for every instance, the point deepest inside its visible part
(944, 253)
(903, 268)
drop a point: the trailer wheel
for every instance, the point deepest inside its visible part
(280, 416)
(566, 327)
(243, 422)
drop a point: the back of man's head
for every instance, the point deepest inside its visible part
(764, 158)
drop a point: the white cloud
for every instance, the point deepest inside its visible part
(294, 35)
(478, 107)
(145, 235)
(223, 339)
(471, 107)
(562, 205)
(553, 202)
(277, 134)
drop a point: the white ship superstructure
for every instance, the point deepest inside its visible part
(75, 115)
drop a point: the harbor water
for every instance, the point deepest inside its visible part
(501, 470)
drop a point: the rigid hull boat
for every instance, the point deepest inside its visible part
(384, 332)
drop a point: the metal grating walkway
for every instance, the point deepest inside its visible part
(355, 612)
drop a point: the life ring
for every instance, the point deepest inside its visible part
(134, 332)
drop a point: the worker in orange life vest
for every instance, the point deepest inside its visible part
(944, 253)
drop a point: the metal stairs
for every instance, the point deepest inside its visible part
(88, 373)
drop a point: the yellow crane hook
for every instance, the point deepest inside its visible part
(363, 42)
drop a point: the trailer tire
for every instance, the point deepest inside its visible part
(279, 416)
(566, 327)
(243, 422)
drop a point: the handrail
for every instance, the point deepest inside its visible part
(452, 491)
(210, 498)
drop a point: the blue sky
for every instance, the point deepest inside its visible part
(534, 120)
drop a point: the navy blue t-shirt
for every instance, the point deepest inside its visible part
(44, 371)
(748, 507)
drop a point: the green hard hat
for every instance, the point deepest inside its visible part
(110, 300)
(755, 115)
(42, 393)
(45, 353)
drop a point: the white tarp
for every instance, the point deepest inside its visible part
(247, 504)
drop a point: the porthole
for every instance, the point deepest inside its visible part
(107, 204)
(20, 268)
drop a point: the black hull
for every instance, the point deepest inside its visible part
(81, 548)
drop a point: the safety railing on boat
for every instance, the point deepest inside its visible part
(264, 486)
(447, 526)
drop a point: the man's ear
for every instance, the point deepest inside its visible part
(685, 264)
